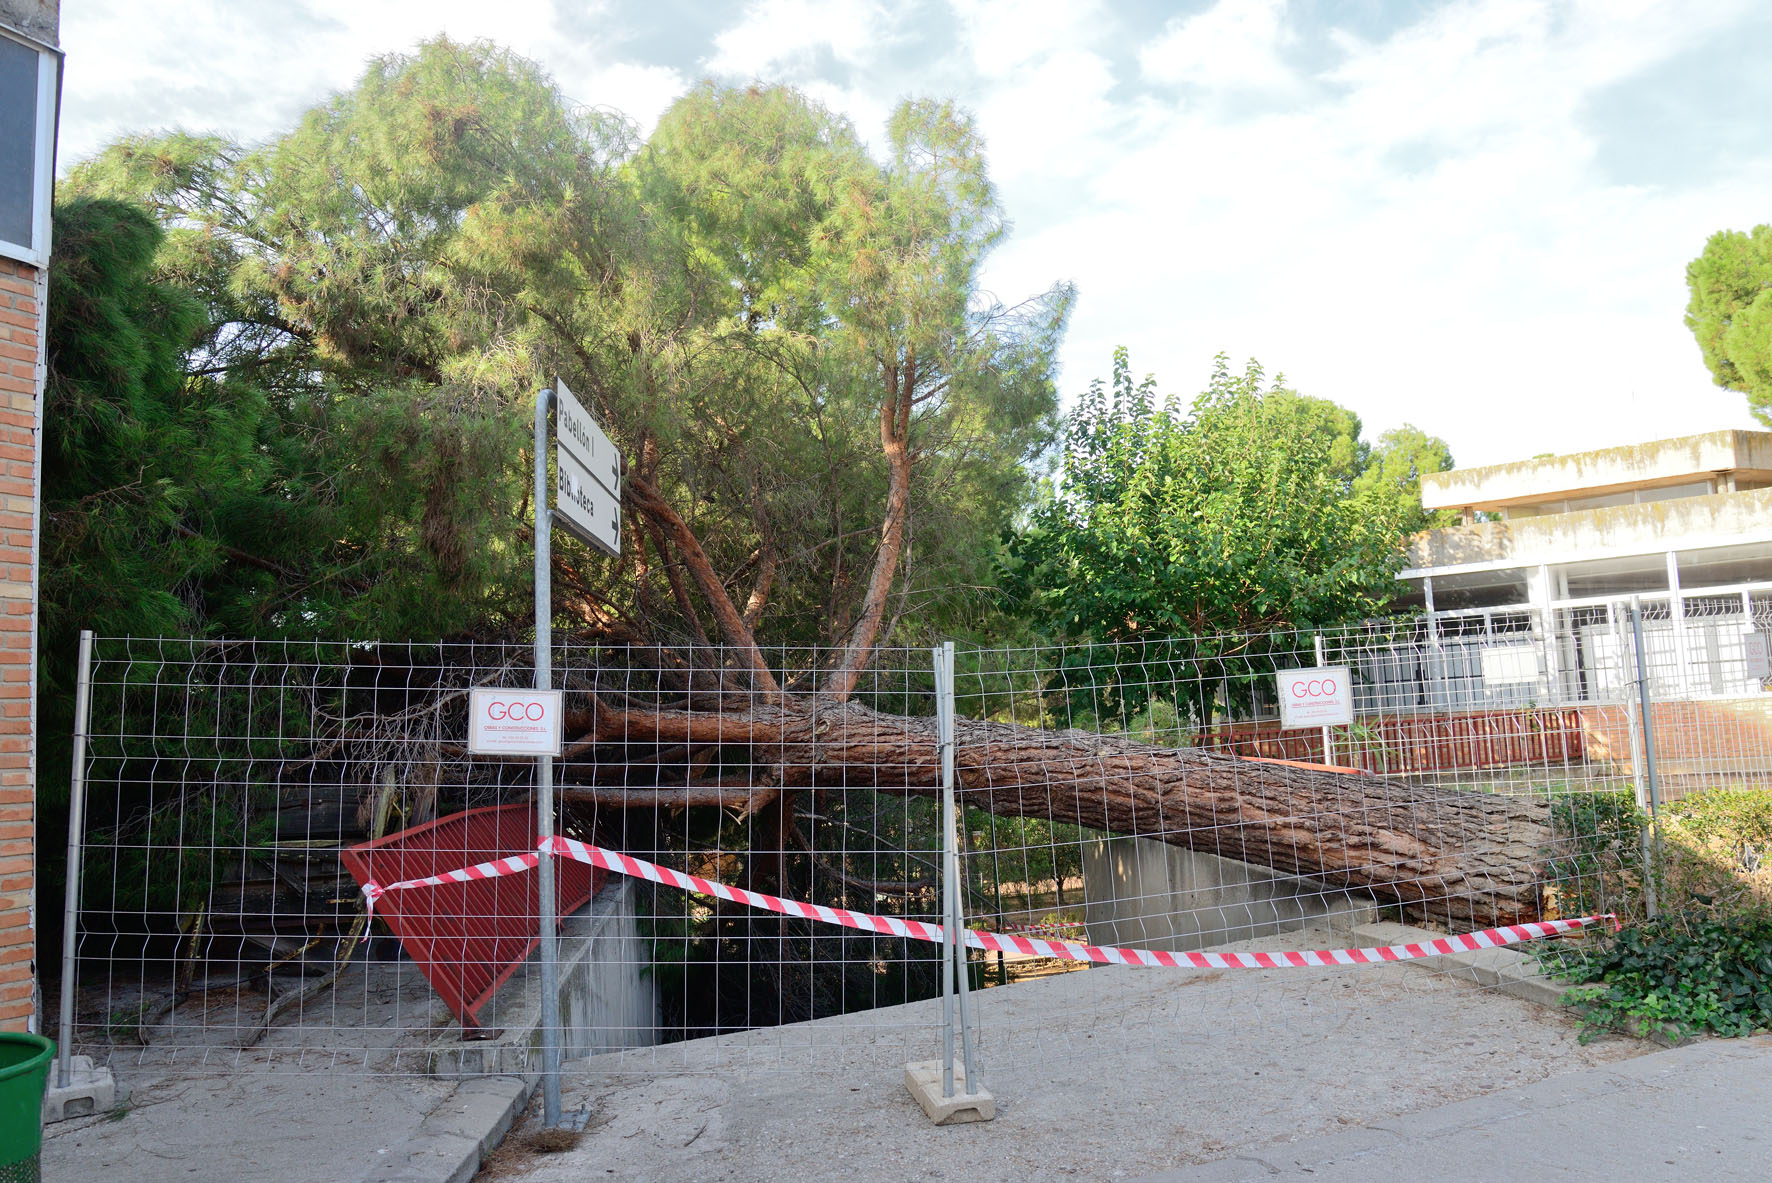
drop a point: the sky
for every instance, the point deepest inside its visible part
(1472, 216)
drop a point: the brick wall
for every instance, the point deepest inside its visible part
(1724, 742)
(20, 362)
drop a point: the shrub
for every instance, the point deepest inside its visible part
(1596, 864)
(1681, 975)
(1736, 823)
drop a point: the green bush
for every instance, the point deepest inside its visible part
(1684, 974)
(1734, 822)
(1596, 863)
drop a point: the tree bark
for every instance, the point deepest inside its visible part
(1445, 855)
(895, 432)
(732, 625)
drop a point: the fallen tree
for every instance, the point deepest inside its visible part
(1451, 856)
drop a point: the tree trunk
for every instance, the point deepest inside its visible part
(1457, 857)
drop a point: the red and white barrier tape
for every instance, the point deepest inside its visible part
(612, 860)
(373, 891)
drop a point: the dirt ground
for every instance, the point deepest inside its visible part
(1108, 1073)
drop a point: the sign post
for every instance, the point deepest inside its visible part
(588, 477)
(1328, 732)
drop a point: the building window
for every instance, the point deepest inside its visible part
(29, 91)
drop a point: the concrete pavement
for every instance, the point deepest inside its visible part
(1374, 1072)
(1698, 1112)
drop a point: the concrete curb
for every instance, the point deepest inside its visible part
(1508, 970)
(455, 1137)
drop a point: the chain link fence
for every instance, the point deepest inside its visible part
(1147, 795)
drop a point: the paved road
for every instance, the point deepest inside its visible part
(1702, 1112)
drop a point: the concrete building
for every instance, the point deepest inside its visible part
(30, 89)
(1684, 525)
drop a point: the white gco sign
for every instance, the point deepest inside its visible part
(514, 722)
(1318, 697)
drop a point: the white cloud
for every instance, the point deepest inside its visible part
(1427, 241)
(1411, 222)
(1235, 45)
(638, 91)
(775, 36)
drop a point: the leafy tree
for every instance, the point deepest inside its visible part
(1730, 313)
(154, 478)
(1234, 516)
(827, 424)
(1391, 478)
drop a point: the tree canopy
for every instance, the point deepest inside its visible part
(1730, 313)
(1253, 508)
(827, 423)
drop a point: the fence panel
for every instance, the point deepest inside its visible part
(1122, 795)
(228, 783)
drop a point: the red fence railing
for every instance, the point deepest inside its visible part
(467, 938)
(1420, 743)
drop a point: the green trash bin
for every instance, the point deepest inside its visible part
(24, 1072)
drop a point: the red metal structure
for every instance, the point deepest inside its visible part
(467, 938)
(1403, 744)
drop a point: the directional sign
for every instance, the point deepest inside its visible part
(587, 475)
(584, 506)
(514, 722)
(578, 434)
(1319, 697)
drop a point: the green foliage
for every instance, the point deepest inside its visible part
(1730, 313)
(1391, 478)
(385, 286)
(167, 862)
(1040, 851)
(1679, 976)
(1596, 864)
(1735, 823)
(1239, 515)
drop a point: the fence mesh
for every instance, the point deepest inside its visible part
(219, 922)
(1144, 795)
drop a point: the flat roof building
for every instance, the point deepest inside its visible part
(1565, 542)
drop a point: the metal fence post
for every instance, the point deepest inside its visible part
(1328, 734)
(949, 934)
(1652, 835)
(544, 788)
(957, 882)
(76, 840)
